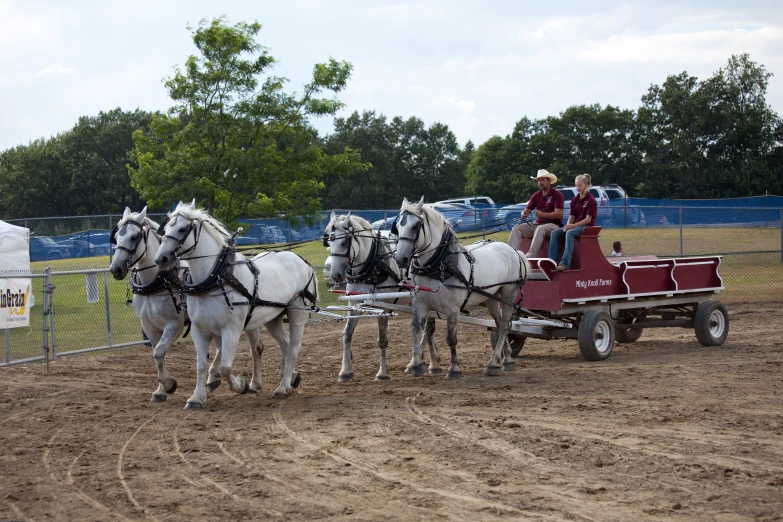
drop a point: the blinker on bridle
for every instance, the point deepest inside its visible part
(142, 235)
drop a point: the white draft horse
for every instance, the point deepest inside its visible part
(227, 293)
(365, 261)
(488, 271)
(155, 292)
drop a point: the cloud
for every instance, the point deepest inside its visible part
(695, 46)
(55, 70)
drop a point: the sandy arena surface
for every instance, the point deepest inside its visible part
(665, 428)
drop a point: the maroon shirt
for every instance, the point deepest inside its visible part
(548, 203)
(583, 207)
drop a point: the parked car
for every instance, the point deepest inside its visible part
(460, 217)
(485, 205)
(47, 249)
(277, 235)
(245, 240)
(622, 214)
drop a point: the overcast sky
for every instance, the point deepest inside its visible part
(478, 67)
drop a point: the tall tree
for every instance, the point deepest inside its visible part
(240, 145)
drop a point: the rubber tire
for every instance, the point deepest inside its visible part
(628, 335)
(701, 323)
(517, 342)
(586, 335)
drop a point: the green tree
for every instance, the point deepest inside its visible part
(407, 158)
(239, 145)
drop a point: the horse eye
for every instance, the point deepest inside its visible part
(182, 229)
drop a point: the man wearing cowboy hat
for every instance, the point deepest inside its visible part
(548, 204)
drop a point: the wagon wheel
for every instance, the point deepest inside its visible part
(628, 335)
(515, 341)
(711, 323)
(596, 335)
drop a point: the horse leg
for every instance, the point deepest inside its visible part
(417, 362)
(383, 342)
(451, 339)
(167, 384)
(502, 321)
(201, 341)
(213, 376)
(346, 370)
(228, 348)
(496, 311)
(429, 336)
(256, 350)
(154, 335)
(296, 321)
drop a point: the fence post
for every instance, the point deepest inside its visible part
(7, 345)
(46, 312)
(51, 315)
(106, 299)
(680, 230)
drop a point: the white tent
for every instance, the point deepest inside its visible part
(16, 295)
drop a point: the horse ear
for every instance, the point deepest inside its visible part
(405, 202)
(347, 219)
(127, 213)
(332, 217)
(193, 203)
(143, 215)
(420, 204)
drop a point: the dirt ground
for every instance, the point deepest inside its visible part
(664, 428)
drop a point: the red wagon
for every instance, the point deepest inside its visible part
(607, 299)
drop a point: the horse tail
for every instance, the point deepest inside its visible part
(524, 266)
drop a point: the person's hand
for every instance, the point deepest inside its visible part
(525, 214)
(568, 227)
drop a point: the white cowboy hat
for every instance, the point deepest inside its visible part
(543, 173)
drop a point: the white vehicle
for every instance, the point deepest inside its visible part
(473, 201)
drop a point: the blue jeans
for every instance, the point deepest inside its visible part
(570, 239)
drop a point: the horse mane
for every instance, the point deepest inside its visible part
(432, 215)
(357, 222)
(147, 221)
(217, 230)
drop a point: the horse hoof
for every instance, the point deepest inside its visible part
(382, 378)
(212, 386)
(297, 380)
(491, 370)
(454, 375)
(280, 395)
(345, 377)
(173, 388)
(252, 391)
(193, 406)
(245, 389)
(436, 371)
(158, 398)
(418, 370)
(407, 370)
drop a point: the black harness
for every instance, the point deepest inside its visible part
(375, 269)
(441, 266)
(222, 274)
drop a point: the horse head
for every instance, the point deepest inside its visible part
(179, 235)
(409, 226)
(128, 236)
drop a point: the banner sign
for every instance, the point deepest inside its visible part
(15, 295)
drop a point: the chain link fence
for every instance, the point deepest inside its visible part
(79, 308)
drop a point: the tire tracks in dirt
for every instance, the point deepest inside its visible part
(346, 456)
(120, 473)
(90, 501)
